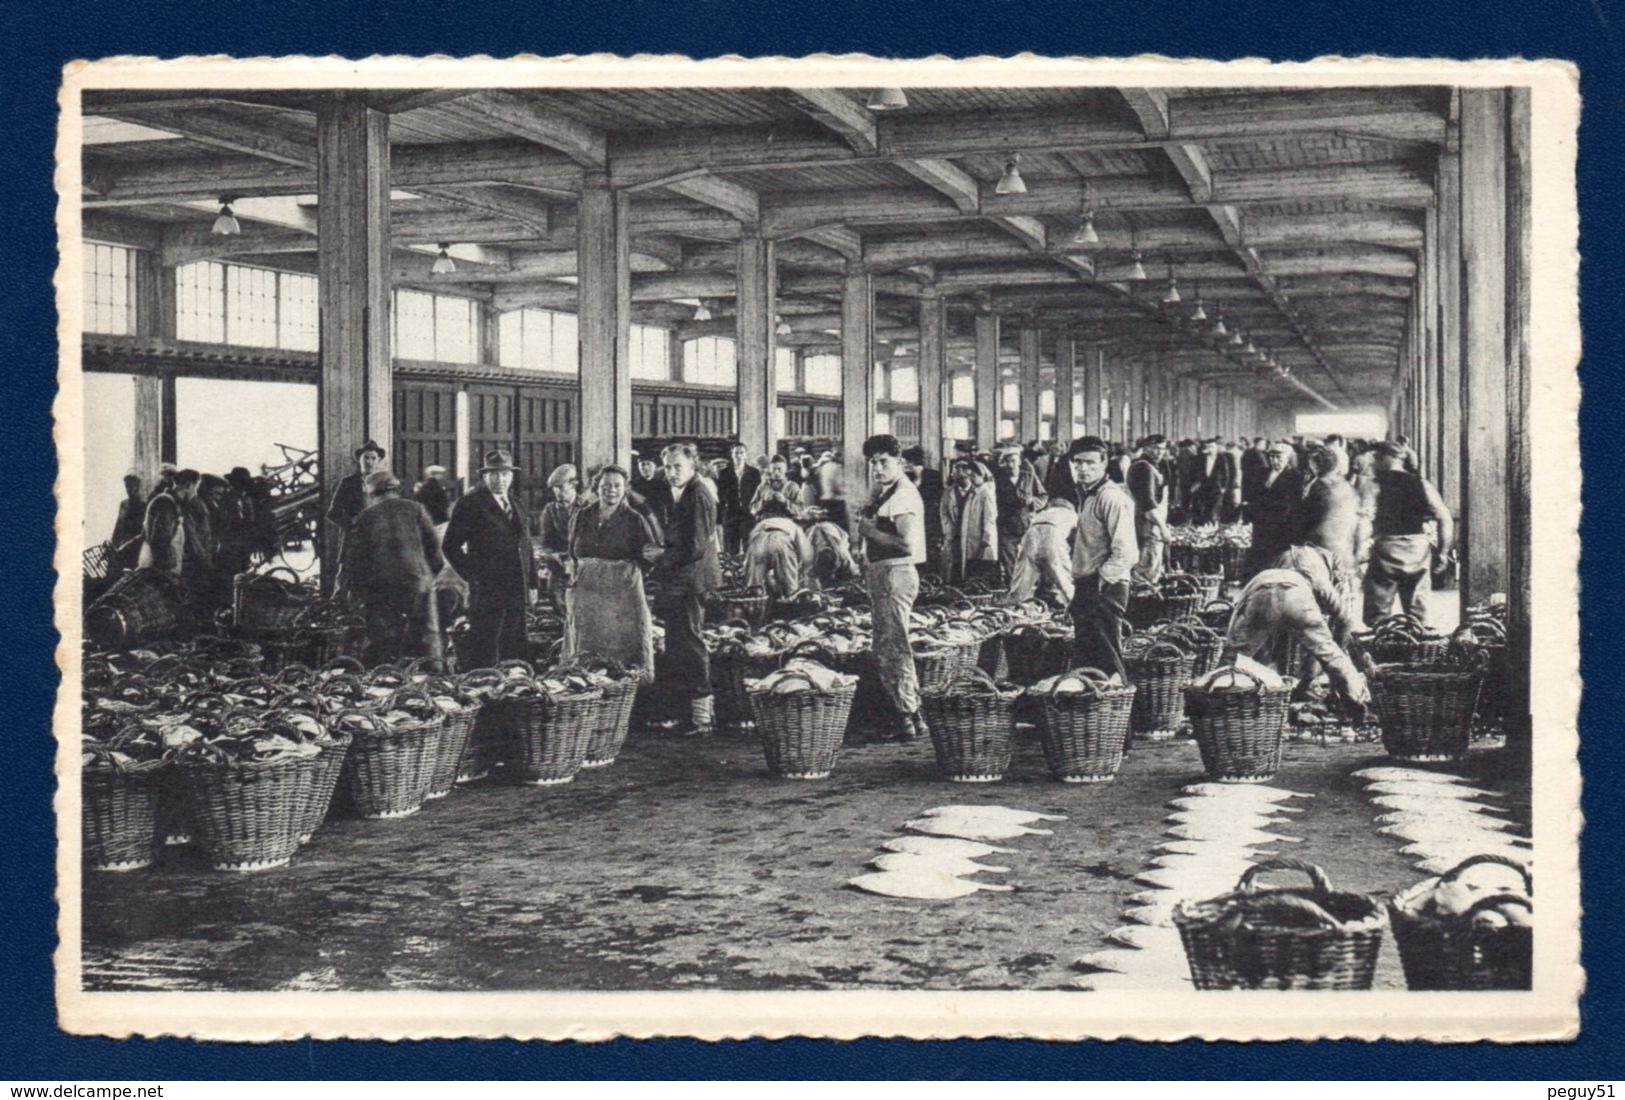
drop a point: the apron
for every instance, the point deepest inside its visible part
(606, 614)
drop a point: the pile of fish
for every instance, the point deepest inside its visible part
(801, 674)
(934, 860)
(1214, 834)
(1442, 818)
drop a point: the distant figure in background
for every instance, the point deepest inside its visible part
(166, 479)
(832, 553)
(266, 539)
(779, 556)
(929, 483)
(1189, 463)
(164, 541)
(1210, 484)
(1339, 448)
(436, 495)
(777, 495)
(1020, 495)
(1044, 560)
(611, 545)
(1150, 492)
(831, 490)
(1103, 556)
(892, 525)
(232, 519)
(132, 517)
(1277, 517)
(390, 556)
(1330, 519)
(553, 530)
(200, 568)
(1230, 505)
(1395, 509)
(649, 489)
(970, 524)
(689, 572)
(1255, 469)
(488, 543)
(1296, 597)
(350, 498)
(737, 483)
(1118, 463)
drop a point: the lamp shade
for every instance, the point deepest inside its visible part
(887, 99)
(225, 225)
(1011, 182)
(443, 263)
(1086, 231)
(703, 313)
(1136, 273)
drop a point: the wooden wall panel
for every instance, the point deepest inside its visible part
(425, 428)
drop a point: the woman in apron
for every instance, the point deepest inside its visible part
(610, 545)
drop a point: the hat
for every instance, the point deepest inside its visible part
(132, 472)
(1086, 443)
(369, 445)
(167, 468)
(430, 471)
(1392, 448)
(498, 460)
(381, 481)
(563, 472)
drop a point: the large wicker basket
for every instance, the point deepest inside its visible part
(268, 602)
(1454, 952)
(935, 666)
(1239, 731)
(802, 731)
(730, 668)
(1426, 711)
(614, 722)
(1160, 675)
(144, 604)
(249, 814)
(388, 770)
(449, 753)
(324, 781)
(117, 815)
(1035, 653)
(749, 604)
(1282, 938)
(1084, 733)
(972, 719)
(553, 733)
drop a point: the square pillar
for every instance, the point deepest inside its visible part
(1031, 415)
(987, 381)
(604, 251)
(1093, 387)
(754, 341)
(857, 381)
(1066, 358)
(1447, 246)
(933, 375)
(353, 271)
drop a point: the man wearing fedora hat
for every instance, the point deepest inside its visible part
(350, 498)
(488, 543)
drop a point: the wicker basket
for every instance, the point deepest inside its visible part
(1450, 952)
(802, 731)
(173, 812)
(614, 722)
(322, 641)
(1146, 607)
(1216, 614)
(749, 604)
(1239, 733)
(268, 602)
(1282, 938)
(324, 782)
(971, 726)
(118, 815)
(388, 769)
(449, 753)
(992, 657)
(934, 667)
(1426, 711)
(249, 814)
(553, 733)
(1035, 654)
(1084, 733)
(1160, 674)
(143, 605)
(730, 668)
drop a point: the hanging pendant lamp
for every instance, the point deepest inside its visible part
(1011, 182)
(443, 263)
(226, 225)
(887, 99)
(703, 313)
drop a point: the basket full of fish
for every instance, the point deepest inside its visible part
(1470, 928)
(1084, 723)
(1238, 717)
(800, 712)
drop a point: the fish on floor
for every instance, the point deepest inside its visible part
(921, 886)
(1408, 775)
(1150, 964)
(1431, 790)
(908, 863)
(1242, 792)
(1147, 937)
(942, 845)
(971, 829)
(1235, 832)
(992, 813)
(1216, 848)
(1427, 804)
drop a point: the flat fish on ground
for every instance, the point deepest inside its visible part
(909, 863)
(941, 845)
(993, 813)
(921, 886)
(1217, 848)
(1150, 964)
(1147, 937)
(1433, 804)
(1192, 882)
(1432, 790)
(1408, 775)
(1242, 792)
(971, 829)
(1446, 818)
(1234, 832)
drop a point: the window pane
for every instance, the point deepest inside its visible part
(297, 312)
(779, 421)
(510, 329)
(250, 306)
(454, 329)
(784, 369)
(1007, 429)
(1010, 397)
(1046, 403)
(823, 374)
(566, 353)
(882, 422)
(959, 427)
(905, 385)
(200, 302)
(650, 350)
(414, 324)
(963, 393)
(108, 288)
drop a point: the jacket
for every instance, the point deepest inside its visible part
(1277, 513)
(1106, 545)
(436, 500)
(970, 527)
(488, 548)
(163, 544)
(736, 489)
(1044, 556)
(391, 549)
(690, 562)
(1255, 468)
(1019, 497)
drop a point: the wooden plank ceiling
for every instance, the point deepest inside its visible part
(1295, 214)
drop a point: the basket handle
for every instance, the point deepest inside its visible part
(1295, 903)
(513, 663)
(1237, 674)
(796, 674)
(1161, 649)
(369, 719)
(1094, 686)
(1494, 900)
(293, 578)
(1490, 857)
(343, 665)
(1323, 885)
(427, 666)
(349, 681)
(411, 691)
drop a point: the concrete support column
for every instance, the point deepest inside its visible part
(1448, 226)
(933, 375)
(603, 248)
(154, 394)
(490, 321)
(1031, 415)
(987, 381)
(1519, 473)
(857, 381)
(353, 272)
(754, 341)
(1066, 380)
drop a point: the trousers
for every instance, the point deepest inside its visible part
(1270, 618)
(1149, 568)
(1400, 565)
(1099, 619)
(398, 626)
(684, 671)
(892, 589)
(496, 629)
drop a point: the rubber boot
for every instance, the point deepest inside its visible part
(701, 717)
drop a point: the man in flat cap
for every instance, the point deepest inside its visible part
(350, 498)
(488, 543)
(390, 556)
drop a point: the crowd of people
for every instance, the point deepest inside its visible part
(1339, 532)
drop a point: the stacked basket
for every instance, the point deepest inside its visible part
(1159, 672)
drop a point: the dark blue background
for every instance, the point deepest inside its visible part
(37, 40)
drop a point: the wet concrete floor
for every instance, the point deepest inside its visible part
(684, 865)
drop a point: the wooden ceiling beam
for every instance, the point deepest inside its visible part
(265, 138)
(845, 117)
(397, 102)
(524, 118)
(737, 201)
(954, 183)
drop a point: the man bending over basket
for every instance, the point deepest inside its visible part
(1296, 599)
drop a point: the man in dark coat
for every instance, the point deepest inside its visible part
(350, 498)
(929, 483)
(1210, 484)
(688, 572)
(390, 556)
(132, 515)
(1020, 496)
(1278, 511)
(435, 494)
(1255, 468)
(737, 483)
(488, 543)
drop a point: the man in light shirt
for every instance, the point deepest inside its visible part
(1044, 562)
(892, 525)
(1103, 557)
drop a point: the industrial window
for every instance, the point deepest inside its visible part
(905, 385)
(784, 369)
(538, 339)
(200, 302)
(882, 422)
(437, 327)
(1046, 403)
(1010, 397)
(297, 312)
(709, 360)
(1007, 429)
(651, 353)
(958, 427)
(963, 391)
(822, 374)
(780, 422)
(250, 306)
(109, 284)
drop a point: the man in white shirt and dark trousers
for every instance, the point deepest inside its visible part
(1103, 557)
(892, 525)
